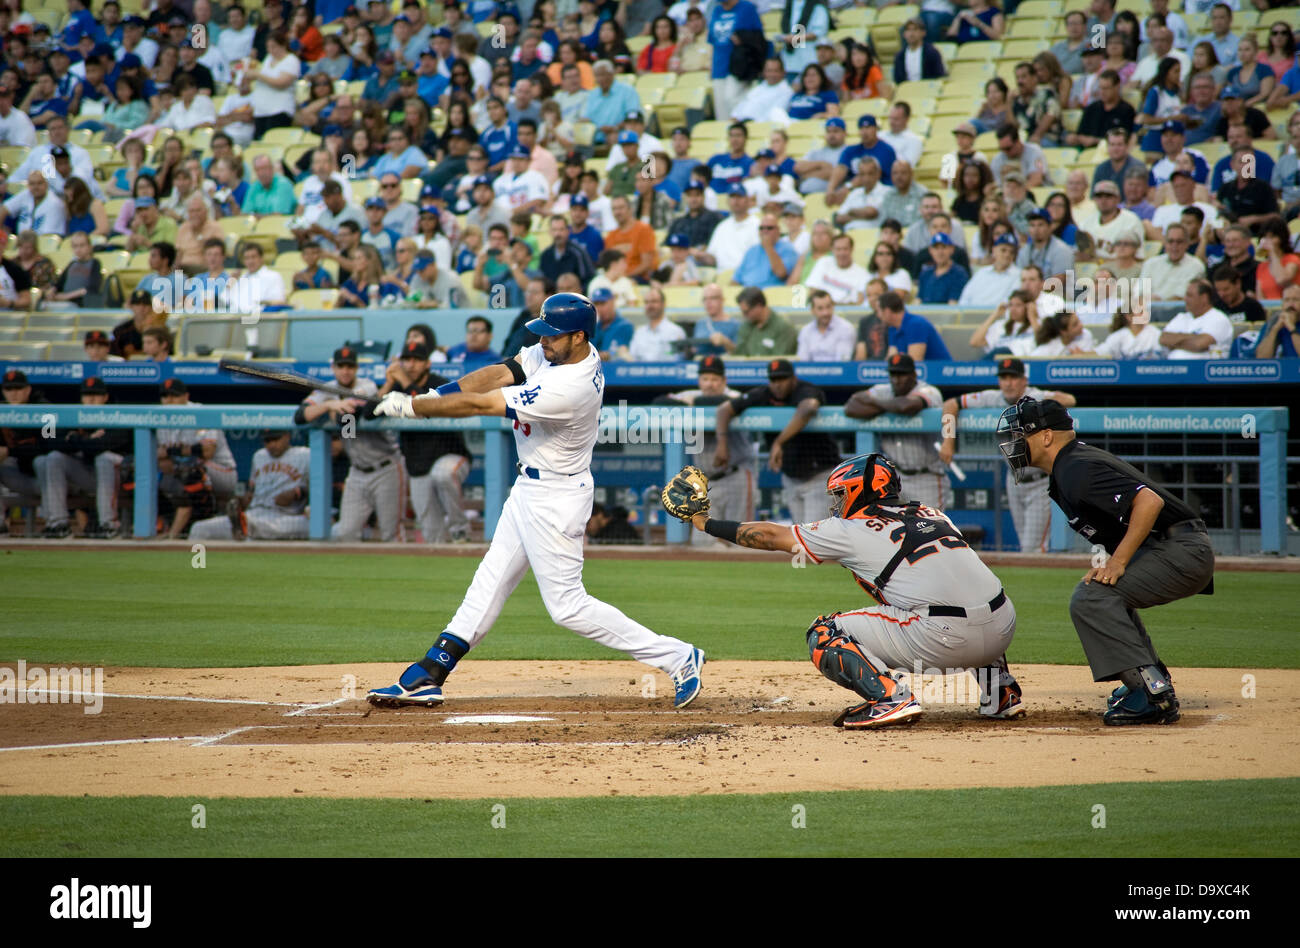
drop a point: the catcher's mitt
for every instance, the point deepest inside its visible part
(687, 494)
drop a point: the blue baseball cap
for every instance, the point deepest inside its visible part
(1173, 125)
(1041, 214)
(1231, 92)
(941, 238)
(429, 51)
(375, 202)
(772, 169)
(519, 151)
(1008, 239)
(401, 18)
(602, 295)
(422, 263)
(130, 61)
(678, 240)
(482, 179)
(766, 153)
(145, 202)
(579, 200)
(331, 130)
(866, 120)
(737, 190)
(836, 122)
(628, 138)
(443, 32)
(429, 191)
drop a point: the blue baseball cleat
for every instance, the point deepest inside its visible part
(687, 679)
(414, 687)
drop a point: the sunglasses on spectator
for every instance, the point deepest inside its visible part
(389, 184)
(768, 227)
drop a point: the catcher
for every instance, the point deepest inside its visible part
(937, 604)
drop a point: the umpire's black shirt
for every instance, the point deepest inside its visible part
(1095, 489)
(808, 452)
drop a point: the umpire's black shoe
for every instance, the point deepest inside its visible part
(1138, 708)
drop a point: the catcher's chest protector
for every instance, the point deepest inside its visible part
(917, 537)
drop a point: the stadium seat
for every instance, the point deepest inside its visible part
(238, 225)
(1022, 27)
(48, 335)
(104, 321)
(10, 333)
(53, 320)
(686, 297)
(23, 351)
(1020, 49)
(854, 18)
(313, 299)
(978, 52)
(1039, 8)
(784, 295)
(65, 352)
(291, 261)
(111, 260)
(46, 243)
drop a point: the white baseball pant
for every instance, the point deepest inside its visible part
(542, 525)
(730, 498)
(807, 499)
(102, 480)
(224, 481)
(929, 489)
(263, 524)
(436, 498)
(899, 639)
(380, 492)
(1031, 512)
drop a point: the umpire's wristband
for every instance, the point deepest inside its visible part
(722, 529)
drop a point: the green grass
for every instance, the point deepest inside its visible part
(1225, 818)
(249, 608)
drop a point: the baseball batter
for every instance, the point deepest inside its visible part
(375, 478)
(925, 478)
(1031, 508)
(731, 488)
(937, 604)
(274, 506)
(209, 443)
(552, 392)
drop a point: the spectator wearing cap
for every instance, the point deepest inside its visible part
(769, 262)
(1108, 111)
(733, 237)
(404, 44)
(838, 274)
(1173, 139)
(941, 282)
(196, 71)
(918, 58)
(1111, 220)
(646, 144)
(128, 339)
(1124, 264)
(609, 102)
(384, 83)
(581, 230)
(1043, 249)
(377, 235)
(828, 337)
(659, 338)
(680, 270)
(98, 347)
(771, 189)
(815, 169)
(565, 255)
(849, 167)
(635, 238)
(763, 334)
(613, 333)
(134, 42)
(696, 223)
(734, 165)
(1027, 157)
(621, 180)
(992, 284)
(148, 226)
(430, 82)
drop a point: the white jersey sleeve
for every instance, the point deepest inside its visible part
(531, 358)
(826, 541)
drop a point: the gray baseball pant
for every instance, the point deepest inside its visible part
(730, 498)
(1110, 629)
(263, 524)
(807, 499)
(102, 480)
(379, 492)
(1031, 512)
(27, 488)
(224, 481)
(436, 498)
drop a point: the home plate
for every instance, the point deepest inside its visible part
(494, 719)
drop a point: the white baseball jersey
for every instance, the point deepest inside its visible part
(556, 411)
(945, 573)
(515, 190)
(178, 437)
(273, 476)
(911, 452)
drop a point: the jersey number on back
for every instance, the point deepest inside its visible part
(921, 552)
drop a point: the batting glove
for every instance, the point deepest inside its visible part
(396, 404)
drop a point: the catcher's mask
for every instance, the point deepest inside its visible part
(862, 482)
(1028, 416)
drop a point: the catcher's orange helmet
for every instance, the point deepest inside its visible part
(861, 482)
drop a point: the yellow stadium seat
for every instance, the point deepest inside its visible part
(971, 73)
(898, 15)
(978, 52)
(814, 208)
(1038, 8)
(686, 297)
(112, 260)
(947, 50)
(771, 22)
(1027, 28)
(700, 77)
(655, 80)
(854, 18)
(1020, 49)
(864, 241)
(783, 295)
(23, 351)
(313, 299)
(929, 88)
(692, 97)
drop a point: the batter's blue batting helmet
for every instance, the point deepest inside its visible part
(565, 312)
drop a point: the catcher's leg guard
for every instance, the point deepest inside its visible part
(840, 659)
(440, 660)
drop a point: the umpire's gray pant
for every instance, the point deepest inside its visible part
(1113, 636)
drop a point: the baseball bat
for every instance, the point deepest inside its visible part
(291, 378)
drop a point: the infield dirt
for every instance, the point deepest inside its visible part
(511, 729)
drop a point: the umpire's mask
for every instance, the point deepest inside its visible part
(1028, 416)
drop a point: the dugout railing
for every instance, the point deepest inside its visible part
(669, 429)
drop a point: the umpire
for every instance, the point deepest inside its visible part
(1158, 551)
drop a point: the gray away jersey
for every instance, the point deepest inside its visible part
(273, 476)
(369, 447)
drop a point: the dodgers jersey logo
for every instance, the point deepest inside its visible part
(529, 395)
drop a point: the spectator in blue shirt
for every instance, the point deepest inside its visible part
(734, 166)
(613, 332)
(769, 262)
(941, 282)
(728, 18)
(43, 102)
(476, 351)
(402, 158)
(432, 84)
(1239, 137)
(683, 163)
(1280, 337)
(869, 145)
(608, 102)
(383, 85)
(908, 333)
(499, 137)
(813, 96)
(579, 229)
